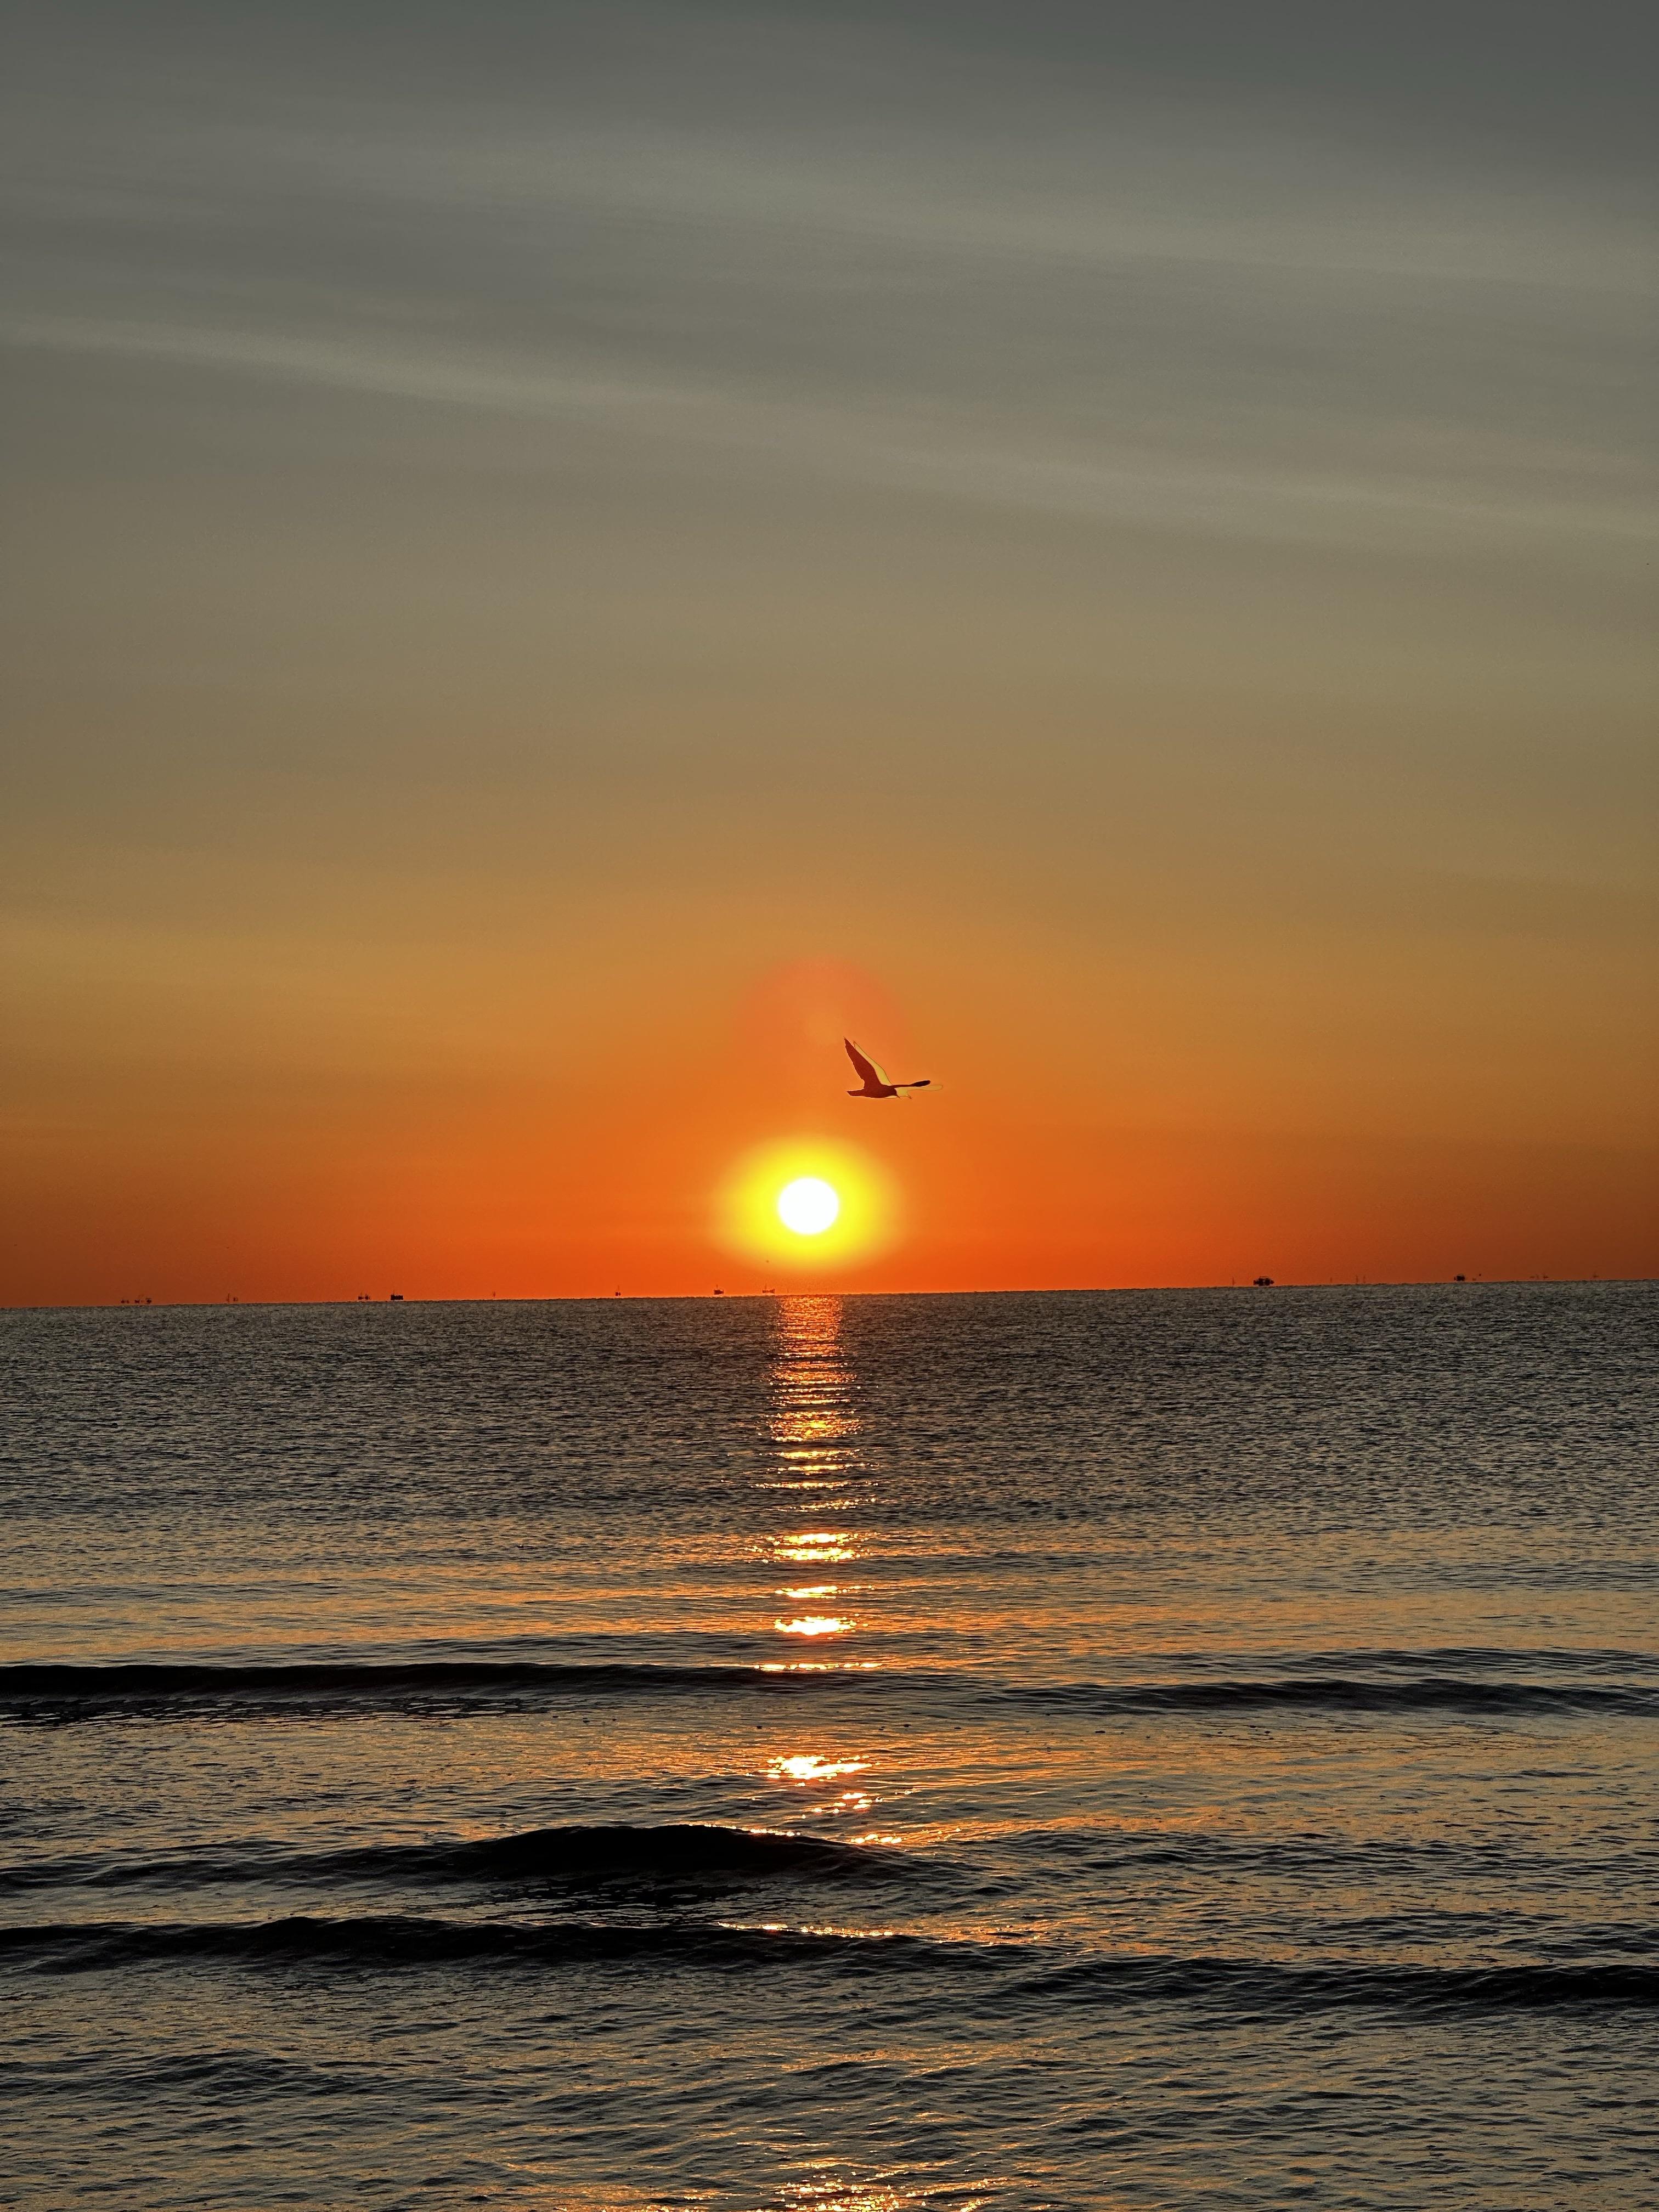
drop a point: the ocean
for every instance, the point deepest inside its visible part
(1172, 1749)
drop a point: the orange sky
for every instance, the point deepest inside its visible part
(458, 1147)
(537, 603)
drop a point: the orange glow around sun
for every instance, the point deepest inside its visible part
(807, 1203)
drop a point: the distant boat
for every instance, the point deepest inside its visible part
(397, 1297)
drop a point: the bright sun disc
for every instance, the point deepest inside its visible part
(804, 1205)
(808, 1205)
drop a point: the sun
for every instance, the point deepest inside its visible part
(808, 1205)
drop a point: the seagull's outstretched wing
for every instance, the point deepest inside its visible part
(865, 1069)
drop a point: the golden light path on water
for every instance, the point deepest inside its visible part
(812, 1428)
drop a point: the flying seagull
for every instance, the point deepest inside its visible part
(873, 1077)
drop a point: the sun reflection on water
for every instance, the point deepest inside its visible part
(812, 1426)
(807, 1771)
(807, 1766)
(816, 1547)
(842, 2194)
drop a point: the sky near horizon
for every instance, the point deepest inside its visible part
(559, 558)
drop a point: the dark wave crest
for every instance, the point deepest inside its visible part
(57, 1693)
(1494, 1863)
(327, 1681)
(50, 1695)
(396, 1940)
(1338, 1693)
(1014, 1976)
(669, 1856)
(1247, 1986)
(1574, 1660)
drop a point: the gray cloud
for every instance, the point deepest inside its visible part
(863, 244)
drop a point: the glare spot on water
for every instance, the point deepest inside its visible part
(805, 1766)
(845, 2196)
(816, 1548)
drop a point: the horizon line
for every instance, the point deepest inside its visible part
(688, 1298)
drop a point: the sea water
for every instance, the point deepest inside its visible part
(1176, 1749)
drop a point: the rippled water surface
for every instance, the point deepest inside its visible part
(1135, 1749)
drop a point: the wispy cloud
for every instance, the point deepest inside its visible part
(1194, 314)
(924, 449)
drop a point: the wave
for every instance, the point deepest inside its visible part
(696, 1854)
(56, 1692)
(1442, 1862)
(69, 1685)
(1467, 1659)
(406, 1940)
(1343, 1693)
(1014, 1975)
(1248, 1986)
